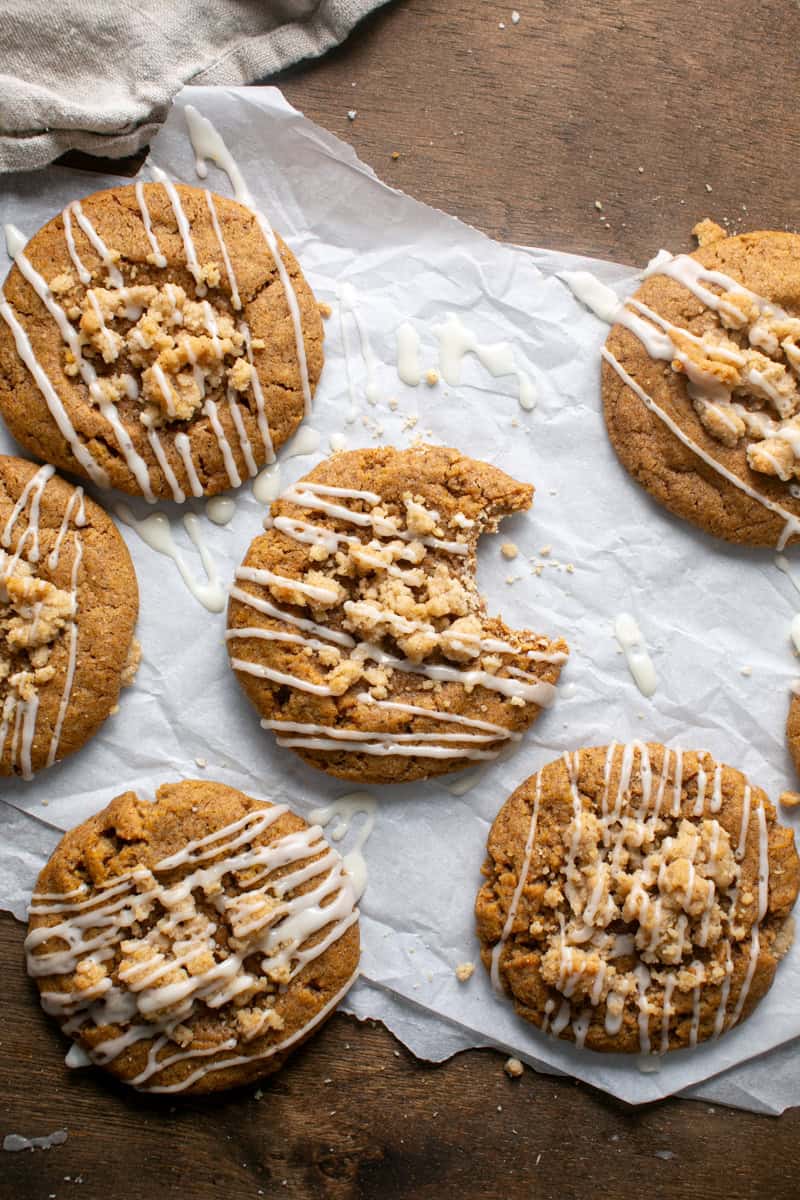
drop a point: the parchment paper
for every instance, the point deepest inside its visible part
(706, 610)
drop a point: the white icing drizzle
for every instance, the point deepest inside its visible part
(97, 243)
(348, 301)
(220, 509)
(208, 144)
(792, 523)
(640, 664)
(267, 484)
(408, 367)
(133, 459)
(508, 926)
(312, 496)
(258, 393)
(192, 265)
(91, 927)
(155, 532)
(593, 294)
(15, 240)
(51, 396)
(32, 491)
(341, 812)
(72, 655)
(210, 409)
(178, 494)
(184, 448)
(455, 340)
(236, 299)
(158, 256)
(84, 275)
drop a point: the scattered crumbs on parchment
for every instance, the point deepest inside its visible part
(746, 671)
(201, 762)
(325, 309)
(789, 799)
(513, 1068)
(509, 550)
(464, 971)
(432, 377)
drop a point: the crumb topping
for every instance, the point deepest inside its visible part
(743, 379)
(33, 616)
(159, 347)
(401, 588)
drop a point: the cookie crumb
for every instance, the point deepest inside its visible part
(464, 971)
(325, 309)
(513, 1068)
(395, 155)
(352, 114)
(598, 206)
(201, 762)
(431, 377)
(789, 799)
(509, 550)
(515, 17)
(545, 550)
(746, 671)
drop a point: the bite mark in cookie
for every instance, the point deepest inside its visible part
(158, 339)
(726, 321)
(190, 944)
(357, 630)
(637, 898)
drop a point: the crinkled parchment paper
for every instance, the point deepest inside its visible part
(706, 610)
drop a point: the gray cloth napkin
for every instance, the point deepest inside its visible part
(99, 75)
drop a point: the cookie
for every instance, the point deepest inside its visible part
(68, 607)
(158, 339)
(190, 944)
(357, 630)
(701, 385)
(636, 898)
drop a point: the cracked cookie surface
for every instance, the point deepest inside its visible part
(357, 630)
(191, 943)
(162, 354)
(713, 340)
(636, 898)
(68, 607)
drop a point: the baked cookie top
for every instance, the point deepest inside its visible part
(793, 729)
(68, 607)
(189, 944)
(636, 898)
(357, 630)
(158, 339)
(701, 385)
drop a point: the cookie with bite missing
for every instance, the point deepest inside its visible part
(356, 628)
(701, 385)
(68, 607)
(191, 943)
(636, 898)
(158, 339)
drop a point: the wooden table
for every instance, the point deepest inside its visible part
(663, 112)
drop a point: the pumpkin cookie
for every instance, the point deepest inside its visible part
(68, 607)
(636, 898)
(357, 630)
(190, 944)
(701, 385)
(793, 730)
(158, 339)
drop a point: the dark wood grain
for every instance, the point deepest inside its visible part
(518, 131)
